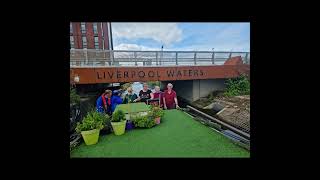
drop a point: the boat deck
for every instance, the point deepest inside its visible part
(178, 135)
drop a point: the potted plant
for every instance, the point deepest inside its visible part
(129, 124)
(107, 129)
(157, 113)
(90, 126)
(144, 121)
(118, 122)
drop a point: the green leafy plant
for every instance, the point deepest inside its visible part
(156, 111)
(118, 116)
(93, 120)
(144, 121)
(153, 83)
(74, 97)
(126, 85)
(238, 86)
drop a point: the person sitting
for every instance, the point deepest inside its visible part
(158, 95)
(129, 97)
(170, 100)
(101, 103)
(144, 94)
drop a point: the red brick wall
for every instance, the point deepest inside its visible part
(77, 35)
(90, 35)
(100, 35)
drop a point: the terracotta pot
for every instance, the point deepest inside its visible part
(157, 120)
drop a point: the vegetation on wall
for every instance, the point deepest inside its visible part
(238, 86)
(74, 97)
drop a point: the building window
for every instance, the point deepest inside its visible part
(84, 42)
(96, 42)
(95, 28)
(83, 28)
(71, 29)
(71, 42)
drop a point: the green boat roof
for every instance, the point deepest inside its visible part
(133, 107)
(178, 135)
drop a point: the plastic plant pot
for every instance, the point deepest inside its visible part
(119, 127)
(129, 125)
(90, 137)
(157, 120)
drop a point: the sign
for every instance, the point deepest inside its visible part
(132, 74)
(119, 74)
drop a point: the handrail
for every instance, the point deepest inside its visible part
(87, 57)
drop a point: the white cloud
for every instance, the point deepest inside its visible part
(134, 47)
(232, 32)
(228, 46)
(165, 33)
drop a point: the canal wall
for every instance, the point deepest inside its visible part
(192, 90)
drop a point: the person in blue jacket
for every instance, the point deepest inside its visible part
(102, 104)
(115, 100)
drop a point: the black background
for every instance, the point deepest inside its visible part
(37, 79)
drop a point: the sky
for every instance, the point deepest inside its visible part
(181, 36)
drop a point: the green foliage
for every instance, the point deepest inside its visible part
(156, 111)
(126, 85)
(74, 97)
(144, 121)
(93, 120)
(238, 86)
(152, 84)
(118, 116)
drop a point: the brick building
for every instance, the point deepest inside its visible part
(90, 35)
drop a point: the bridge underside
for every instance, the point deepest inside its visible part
(93, 75)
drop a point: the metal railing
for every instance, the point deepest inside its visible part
(93, 57)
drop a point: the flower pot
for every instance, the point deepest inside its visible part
(129, 125)
(157, 120)
(119, 127)
(90, 137)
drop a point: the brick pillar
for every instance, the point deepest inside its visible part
(77, 35)
(90, 35)
(100, 35)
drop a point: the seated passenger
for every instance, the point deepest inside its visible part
(129, 97)
(144, 94)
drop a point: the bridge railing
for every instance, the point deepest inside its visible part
(92, 57)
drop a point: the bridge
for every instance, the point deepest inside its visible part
(207, 69)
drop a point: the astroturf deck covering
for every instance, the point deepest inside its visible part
(178, 135)
(133, 107)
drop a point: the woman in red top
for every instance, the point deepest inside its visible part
(158, 95)
(170, 100)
